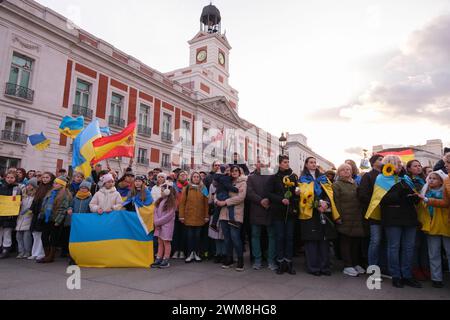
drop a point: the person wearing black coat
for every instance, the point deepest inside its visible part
(260, 217)
(8, 223)
(440, 165)
(284, 204)
(399, 219)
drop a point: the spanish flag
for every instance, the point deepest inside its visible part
(117, 145)
(114, 240)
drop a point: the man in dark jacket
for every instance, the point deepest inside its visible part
(240, 164)
(260, 217)
(440, 165)
(364, 193)
(210, 177)
(284, 205)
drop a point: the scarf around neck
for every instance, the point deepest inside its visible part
(83, 194)
(437, 194)
(308, 178)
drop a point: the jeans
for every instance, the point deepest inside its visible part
(256, 244)
(220, 248)
(435, 254)
(376, 233)
(285, 239)
(317, 255)
(401, 242)
(193, 239)
(232, 238)
(24, 242)
(421, 259)
(6, 237)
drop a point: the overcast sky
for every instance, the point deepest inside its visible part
(348, 74)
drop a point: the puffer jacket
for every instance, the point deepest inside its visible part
(107, 200)
(236, 200)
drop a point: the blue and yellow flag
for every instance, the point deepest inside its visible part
(83, 149)
(114, 240)
(382, 186)
(39, 141)
(71, 127)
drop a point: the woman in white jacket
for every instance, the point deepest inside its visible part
(23, 235)
(156, 190)
(107, 199)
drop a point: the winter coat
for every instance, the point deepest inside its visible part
(9, 190)
(445, 201)
(25, 215)
(397, 209)
(276, 191)
(78, 206)
(194, 206)
(216, 235)
(106, 199)
(164, 222)
(349, 207)
(256, 192)
(58, 214)
(236, 200)
(365, 191)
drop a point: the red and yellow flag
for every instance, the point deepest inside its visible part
(117, 145)
(405, 155)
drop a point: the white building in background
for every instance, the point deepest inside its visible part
(298, 150)
(186, 118)
(428, 154)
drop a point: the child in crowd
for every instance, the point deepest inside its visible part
(107, 199)
(223, 184)
(8, 223)
(23, 232)
(435, 223)
(164, 219)
(139, 195)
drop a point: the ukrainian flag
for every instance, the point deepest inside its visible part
(39, 141)
(114, 240)
(71, 127)
(83, 149)
(382, 186)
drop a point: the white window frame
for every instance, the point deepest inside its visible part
(21, 69)
(170, 123)
(149, 113)
(13, 126)
(89, 92)
(122, 106)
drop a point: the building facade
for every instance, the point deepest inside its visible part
(185, 118)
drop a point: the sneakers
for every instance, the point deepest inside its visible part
(360, 269)
(257, 266)
(272, 267)
(190, 258)
(176, 255)
(164, 264)
(157, 263)
(240, 264)
(20, 256)
(31, 258)
(182, 256)
(437, 284)
(228, 262)
(26, 255)
(197, 258)
(350, 271)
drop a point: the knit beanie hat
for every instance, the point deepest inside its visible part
(62, 180)
(85, 184)
(107, 177)
(162, 174)
(33, 182)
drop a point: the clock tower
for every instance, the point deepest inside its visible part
(209, 52)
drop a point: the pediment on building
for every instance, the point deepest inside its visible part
(222, 107)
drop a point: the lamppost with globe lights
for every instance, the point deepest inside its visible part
(283, 141)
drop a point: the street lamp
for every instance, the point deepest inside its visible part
(283, 142)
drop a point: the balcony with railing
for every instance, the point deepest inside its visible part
(15, 137)
(14, 90)
(82, 111)
(143, 161)
(115, 121)
(144, 130)
(166, 137)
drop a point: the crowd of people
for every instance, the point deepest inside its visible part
(214, 215)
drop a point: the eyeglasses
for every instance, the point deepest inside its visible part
(217, 165)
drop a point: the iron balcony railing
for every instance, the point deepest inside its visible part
(82, 111)
(144, 130)
(115, 121)
(14, 136)
(166, 137)
(15, 90)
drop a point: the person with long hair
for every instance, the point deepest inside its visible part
(37, 226)
(318, 215)
(9, 188)
(421, 267)
(351, 229)
(139, 195)
(194, 214)
(164, 219)
(232, 233)
(161, 178)
(281, 191)
(53, 213)
(179, 233)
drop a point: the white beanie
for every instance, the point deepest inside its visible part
(107, 177)
(440, 173)
(162, 174)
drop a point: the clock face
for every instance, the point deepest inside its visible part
(201, 56)
(221, 58)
